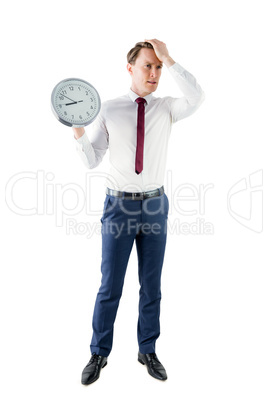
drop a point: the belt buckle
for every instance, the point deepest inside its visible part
(137, 196)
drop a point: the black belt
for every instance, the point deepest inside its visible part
(136, 196)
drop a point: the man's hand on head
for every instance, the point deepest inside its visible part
(161, 51)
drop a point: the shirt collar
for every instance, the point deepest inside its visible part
(133, 96)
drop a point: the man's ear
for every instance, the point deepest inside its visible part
(129, 68)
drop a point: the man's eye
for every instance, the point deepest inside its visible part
(148, 65)
(159, 67)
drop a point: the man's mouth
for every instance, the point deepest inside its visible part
(152, 82)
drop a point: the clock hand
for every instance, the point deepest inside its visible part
(67, 97)
(73, 103)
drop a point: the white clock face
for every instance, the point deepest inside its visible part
(75, 102)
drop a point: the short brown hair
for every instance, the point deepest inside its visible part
(134, 52)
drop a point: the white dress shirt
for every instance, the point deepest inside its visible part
(116, 128)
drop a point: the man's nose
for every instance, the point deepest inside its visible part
(153, 73)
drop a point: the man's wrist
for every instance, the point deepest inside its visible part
(168, 61)
(78, 132)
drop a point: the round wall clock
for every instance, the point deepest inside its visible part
(75, 102)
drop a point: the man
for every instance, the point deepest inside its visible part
(136, 129)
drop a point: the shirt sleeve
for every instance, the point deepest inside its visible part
(93, 148)
(193, 93)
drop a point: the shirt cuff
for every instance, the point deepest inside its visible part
(176, 69)
(84, 145)
(81, 139)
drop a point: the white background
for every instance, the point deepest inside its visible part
(214, 308)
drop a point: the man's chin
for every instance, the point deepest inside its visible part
(152, 87)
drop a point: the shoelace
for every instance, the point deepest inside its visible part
(94, 358)
(153, 357)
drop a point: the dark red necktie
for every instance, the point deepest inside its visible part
(140, 135)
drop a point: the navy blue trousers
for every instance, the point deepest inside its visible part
(123, 222)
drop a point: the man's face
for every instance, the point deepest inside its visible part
(145, 72)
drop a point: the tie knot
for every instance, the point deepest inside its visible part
(140, 100)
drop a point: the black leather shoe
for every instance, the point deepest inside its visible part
(154, 367)
(92, 370)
